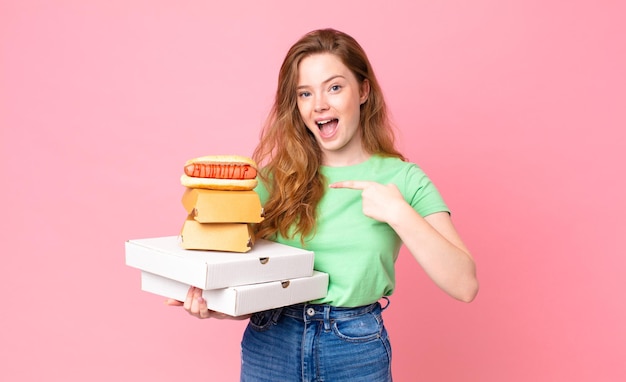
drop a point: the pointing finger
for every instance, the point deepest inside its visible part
(354, 184)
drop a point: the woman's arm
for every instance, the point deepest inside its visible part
(433, 240)
(437, 247)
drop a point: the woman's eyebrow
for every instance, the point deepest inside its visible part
(323, 82)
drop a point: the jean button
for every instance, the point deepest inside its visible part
(310, 311)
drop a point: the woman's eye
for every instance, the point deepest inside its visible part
(304, 94)
(335, 88)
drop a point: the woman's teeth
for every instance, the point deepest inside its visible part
(322, 123)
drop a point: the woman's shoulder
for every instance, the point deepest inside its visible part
(394, 164)
(407, 175)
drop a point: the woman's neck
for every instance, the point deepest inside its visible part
(342, 160)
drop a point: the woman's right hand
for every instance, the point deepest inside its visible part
(196, 305)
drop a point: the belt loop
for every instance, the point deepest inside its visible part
(326, 317)
(276, 315)
(386, 305)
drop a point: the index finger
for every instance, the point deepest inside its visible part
(354, 184)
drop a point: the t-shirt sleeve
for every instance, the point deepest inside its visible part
(422, 194)
(262, 191)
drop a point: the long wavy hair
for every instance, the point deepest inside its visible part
(288, 154)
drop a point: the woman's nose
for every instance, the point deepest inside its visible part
(320, 104)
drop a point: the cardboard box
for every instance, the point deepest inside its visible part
(215, 206)
(245, 299)
(267, 261)
(235, 237)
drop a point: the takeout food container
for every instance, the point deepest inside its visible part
(233, 237)
(244, 299)
(266, 261)
(216, 206)
(220, 220)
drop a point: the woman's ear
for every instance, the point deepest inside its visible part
(365, 91)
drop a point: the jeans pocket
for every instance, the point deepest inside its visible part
(362, 328)
(262, 321)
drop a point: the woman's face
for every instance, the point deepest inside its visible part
(329, 100)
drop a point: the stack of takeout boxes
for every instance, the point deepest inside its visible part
(220, 220)
(216, 252)
(268, 276)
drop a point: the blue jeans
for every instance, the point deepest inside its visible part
(313, 343)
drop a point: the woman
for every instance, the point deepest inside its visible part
(333, 182)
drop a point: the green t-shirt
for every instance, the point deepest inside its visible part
(356, 251)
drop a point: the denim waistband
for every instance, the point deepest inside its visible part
(320, 312)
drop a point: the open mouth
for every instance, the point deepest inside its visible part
(327, 127)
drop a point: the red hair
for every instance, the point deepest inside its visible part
(288, 153)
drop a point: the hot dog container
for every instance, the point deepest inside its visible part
(217, 206)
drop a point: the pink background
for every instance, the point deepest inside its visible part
(516, 109)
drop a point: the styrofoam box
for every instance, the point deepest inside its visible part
(266, 261)
(244, 299)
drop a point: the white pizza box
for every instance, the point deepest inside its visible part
(266, 261)
(244, 299)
